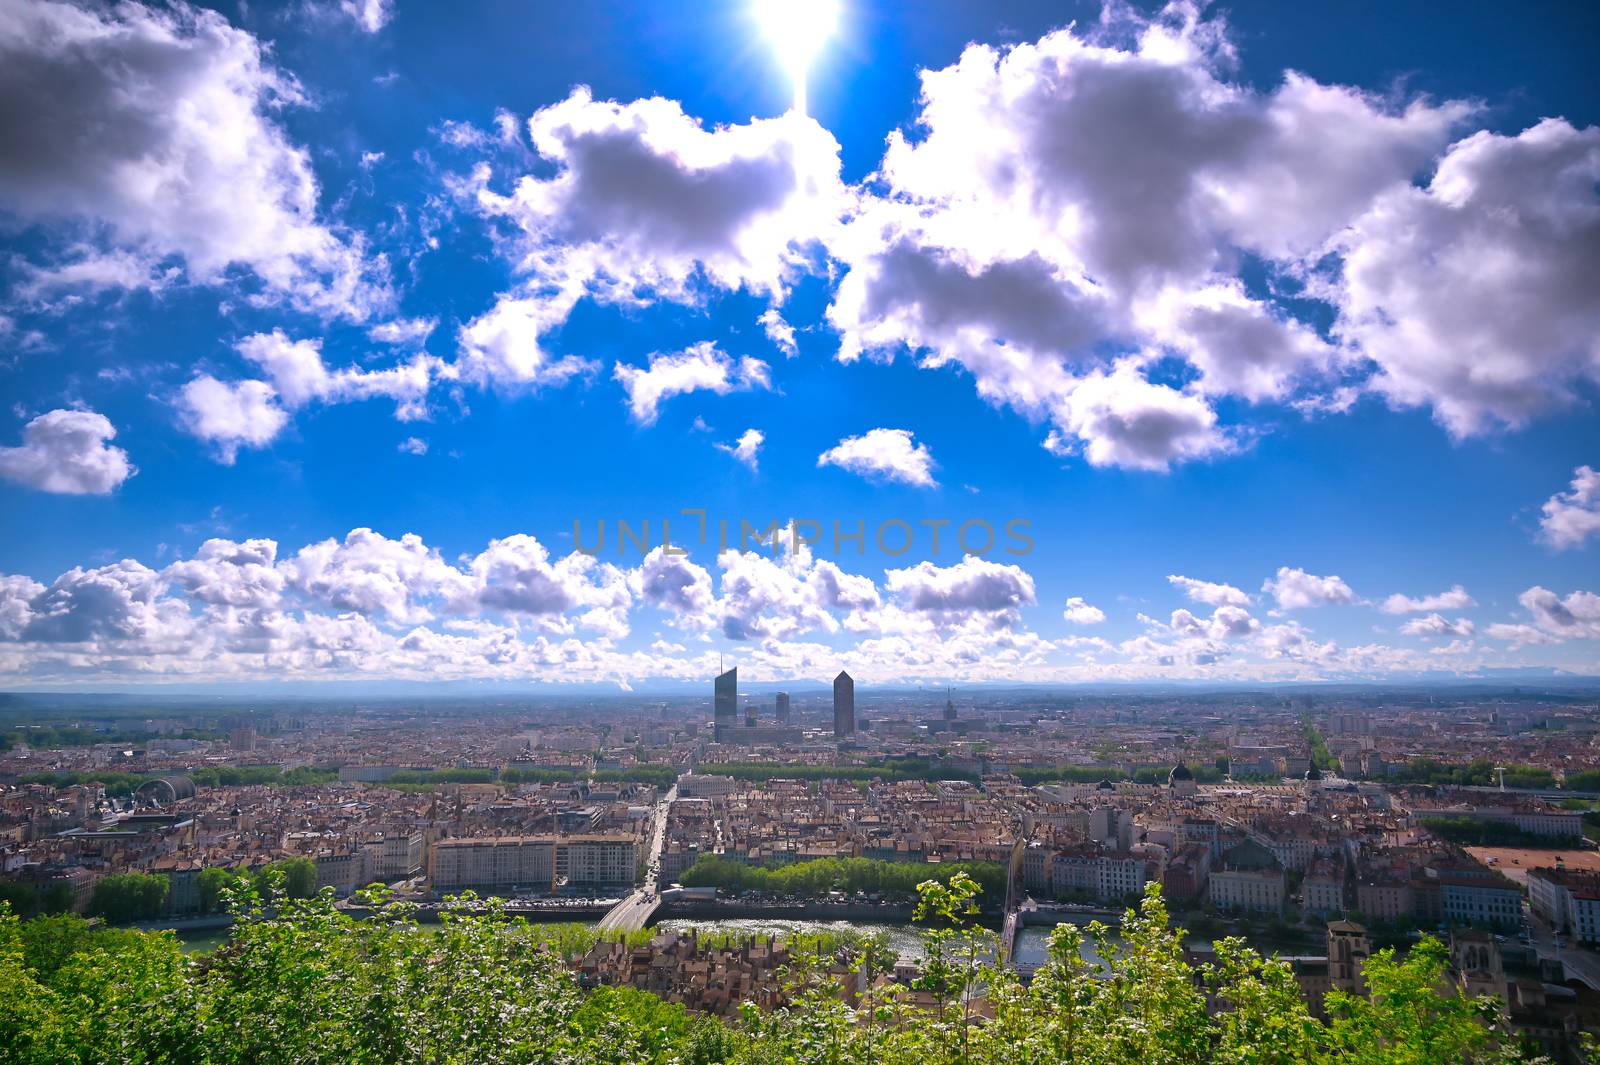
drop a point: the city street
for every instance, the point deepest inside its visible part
(632, 912)
(1582, 964)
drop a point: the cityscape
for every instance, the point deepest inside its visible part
(799, 532)
(1321, 826)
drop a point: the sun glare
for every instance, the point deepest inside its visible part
(797, 30)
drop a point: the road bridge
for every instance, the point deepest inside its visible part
(635, 911)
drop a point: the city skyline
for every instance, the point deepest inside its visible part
(1266, 353)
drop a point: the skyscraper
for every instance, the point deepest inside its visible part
(750, 715)
(783, 708)
(949, 706)
(725, 704)
(844, 705)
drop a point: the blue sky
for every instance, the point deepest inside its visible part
(322, 324)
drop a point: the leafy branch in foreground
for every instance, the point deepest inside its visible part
(302, 982)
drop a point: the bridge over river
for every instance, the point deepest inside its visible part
(635, 911)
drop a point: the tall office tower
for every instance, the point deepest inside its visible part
(844, 705)
(949, 706)
(783, 708)
(725, 704)
(750, 716)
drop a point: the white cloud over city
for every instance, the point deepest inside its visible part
(369, 604)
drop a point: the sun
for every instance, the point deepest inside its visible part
(797, 30)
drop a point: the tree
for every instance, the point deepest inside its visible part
(124, 897)
(53, 896)
(302, 982)
(213, 884)
(1404, 1020)
(298, 878)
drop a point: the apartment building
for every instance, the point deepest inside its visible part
(1569, 899)
(597, 860)
(1248, 878)
(503, 861)
(535, 863)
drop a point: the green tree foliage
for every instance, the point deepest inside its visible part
(119, 784)
(442, 776)
(1321, 757)
(816, 878)
(213, 885)
(116, 784)
(1472, 832)
(270, 775)
(303, 983)
(295, 878)
(1478, 772)
(1091, 774)
(124, 897)
(1585, 780)
(27, 899)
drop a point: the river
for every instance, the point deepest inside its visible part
(904, 940)
(1033, 942)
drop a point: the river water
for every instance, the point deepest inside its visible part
(904, 940)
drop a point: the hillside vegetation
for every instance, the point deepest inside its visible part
(302, 983)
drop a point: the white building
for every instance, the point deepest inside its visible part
(597, 860)
(1322, 890)
(527, 861)
(1248, 878)
(1568, 899)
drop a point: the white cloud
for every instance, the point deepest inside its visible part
(503, 347)
(747, 447)
(643, 198)
(225, 573)
(1240, 346)
(1295, 589)
(231, 416)
(1570, 518)
(66, 451)
(1081, 613)
(185, 160)
(779, 331)
(639, 202)
(1436, 625)
(1521, 635)
(701, 367)
(367, 606)
(370, 15)
(973, 585)
(369, 573)
(765, 598)
(516, 576)
(1208, 592)
(16, 604)
(1065, 200)
(403, 330)
(886, 454)
(1476, 294)
(1121, 419)
(675, 584)
(119, 602)
(1577, 616)
(1454, 599)
(413, 445)
(299, 375)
